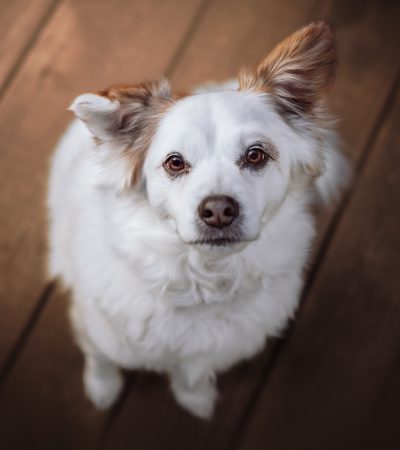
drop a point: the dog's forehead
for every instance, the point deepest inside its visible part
(217, 123)
(214, 110)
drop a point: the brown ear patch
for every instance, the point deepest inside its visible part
(140, 105)
(142, 92)
(134, 124)
(298, 71)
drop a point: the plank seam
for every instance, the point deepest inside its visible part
(26, 332)
(359, 167)
(187, 38)
(383, 115)
(13, 72)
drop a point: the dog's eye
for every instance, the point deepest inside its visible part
(255, 157)
(175, 164)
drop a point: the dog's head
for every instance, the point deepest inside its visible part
(217, 165)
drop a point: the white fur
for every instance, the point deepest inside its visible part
(143, 295)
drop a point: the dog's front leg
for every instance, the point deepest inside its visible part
(102, 379)
(196, 396)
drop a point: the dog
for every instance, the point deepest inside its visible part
(182, 224)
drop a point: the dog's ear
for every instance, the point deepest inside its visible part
(122, 112)
(126, 117)
(297, 72)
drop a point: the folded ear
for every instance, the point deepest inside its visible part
(97, 113)
(122, 112)
(125, 117)
(298, 71)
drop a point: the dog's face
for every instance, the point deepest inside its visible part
(214, 166)
(217, 165)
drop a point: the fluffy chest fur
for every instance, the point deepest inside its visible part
(170, 305)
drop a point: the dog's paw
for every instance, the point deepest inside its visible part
(103, 384)
(199, 399)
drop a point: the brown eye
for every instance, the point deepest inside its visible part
(175, 164)
(255, 157)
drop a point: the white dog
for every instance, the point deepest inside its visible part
(182, 224)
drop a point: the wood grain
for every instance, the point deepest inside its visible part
(366, 38)
(237, 33)
(42, 405)
(20, 23)
(381, 429)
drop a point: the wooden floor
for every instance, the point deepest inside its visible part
(333, 381)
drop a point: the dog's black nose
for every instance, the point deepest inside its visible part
(218, 210)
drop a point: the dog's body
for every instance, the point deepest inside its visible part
(184, 238)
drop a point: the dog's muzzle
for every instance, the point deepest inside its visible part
(219, 222)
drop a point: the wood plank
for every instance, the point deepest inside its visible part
(235, 34)
(329, 379)
(382, 427)
(20, 22)
(366, 37)
(360, 108)
(80, 50)
(41, 405)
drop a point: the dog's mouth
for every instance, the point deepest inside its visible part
(225, 237)
(217, 242)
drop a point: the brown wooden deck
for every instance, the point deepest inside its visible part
(333, 381)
